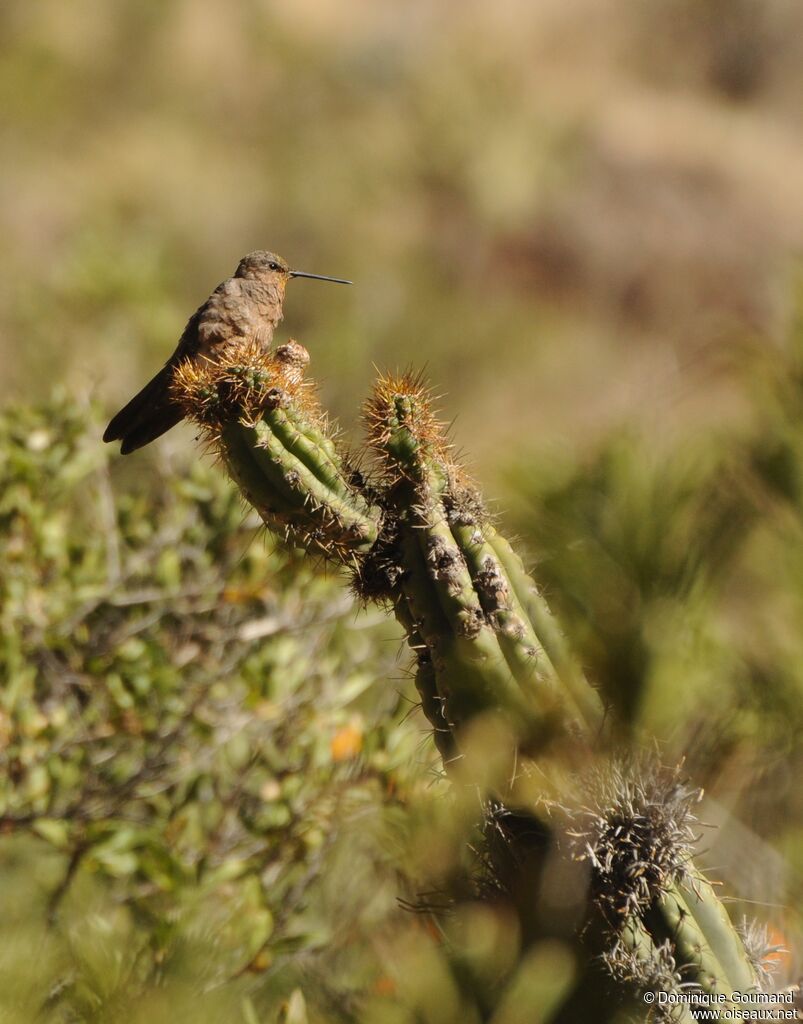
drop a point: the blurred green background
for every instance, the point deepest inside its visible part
(567, 210)
(584, 218)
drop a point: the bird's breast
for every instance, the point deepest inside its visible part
(238, 311)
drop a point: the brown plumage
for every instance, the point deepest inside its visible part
(245, 308)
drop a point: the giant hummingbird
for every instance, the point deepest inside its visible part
(246, 308)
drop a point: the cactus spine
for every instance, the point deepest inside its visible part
(260, 415)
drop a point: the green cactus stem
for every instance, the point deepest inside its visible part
(466, 607)
(471, 671)
(259, 414)
(637, 962)
(555, 648)
(708, 949)
(660, 911)
(427, 686)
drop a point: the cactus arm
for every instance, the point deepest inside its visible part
(426, 683)
(429, 617)
(281, 471)
(706, 946)
(547, 630)
(501, 605)
(445, 563)
(668, 929)
(490, 643)
(670, 920)
(471, 672)
(432, 705)
(476, 645)
(715, 924)
(298, 482)
(236, 444)
(310, 446)
(257, 411)
(646, 957)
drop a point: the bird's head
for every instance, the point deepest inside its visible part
(272, 269)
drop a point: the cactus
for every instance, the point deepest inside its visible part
(260, 415)
(427, 686)
(419, 539)
(667, 929)
(467, 593)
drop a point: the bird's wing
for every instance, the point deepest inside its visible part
(148, 413)
(150, 409)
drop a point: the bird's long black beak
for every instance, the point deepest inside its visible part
(319, 277)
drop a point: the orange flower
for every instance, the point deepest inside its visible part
(346, 742)
(385, 986)
(779, 955)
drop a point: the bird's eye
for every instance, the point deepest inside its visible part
(274, 266)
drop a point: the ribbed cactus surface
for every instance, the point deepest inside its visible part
(464, 589)
(261, 416)
(668, 930)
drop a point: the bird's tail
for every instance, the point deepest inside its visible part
(147, 416)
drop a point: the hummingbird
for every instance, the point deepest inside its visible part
(245, 307)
